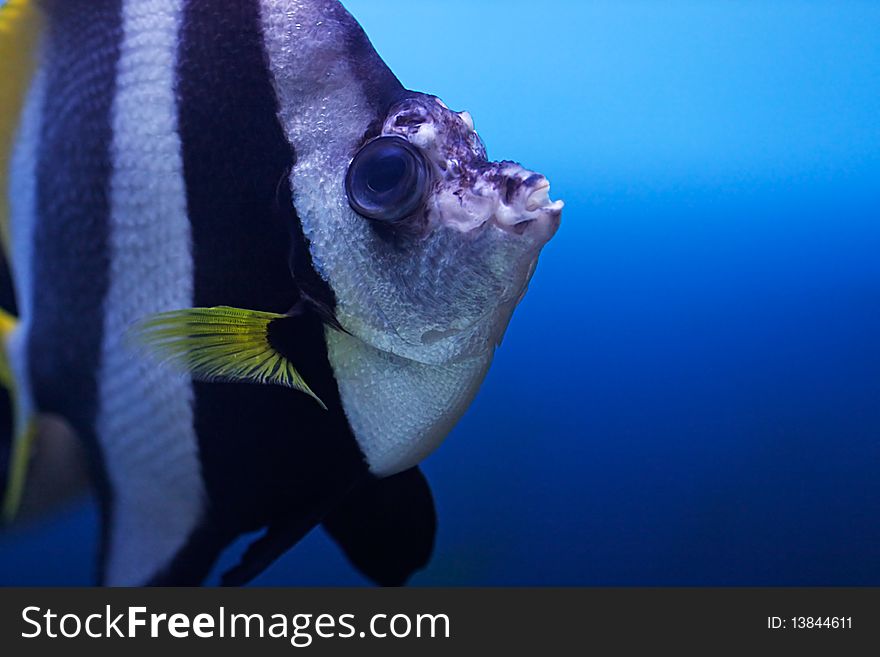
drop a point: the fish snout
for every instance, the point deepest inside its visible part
(525, 205)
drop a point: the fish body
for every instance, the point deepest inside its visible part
(259, 155)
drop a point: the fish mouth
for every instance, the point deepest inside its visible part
(530, 209)
(540, 196)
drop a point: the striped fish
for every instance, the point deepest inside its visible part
(257, 277)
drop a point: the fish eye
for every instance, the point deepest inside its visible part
(387, 180)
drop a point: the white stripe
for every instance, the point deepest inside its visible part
(145, 418)
(23, 210)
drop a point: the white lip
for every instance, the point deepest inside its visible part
(540, 197)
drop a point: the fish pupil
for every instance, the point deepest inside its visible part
(386, 173)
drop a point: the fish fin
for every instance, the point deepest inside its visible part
(19, 30)
(19, 460)
(268, 548)
(8, 322)
(23, 431)
(222, 344)
(387, 527)
(20, 23)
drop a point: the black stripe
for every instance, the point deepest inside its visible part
(71, 260)
(267, 452)
(380, 87)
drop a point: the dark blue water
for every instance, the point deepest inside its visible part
(690, 392)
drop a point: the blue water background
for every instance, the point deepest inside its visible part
(690, 392)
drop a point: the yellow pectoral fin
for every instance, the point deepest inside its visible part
(22, 447)
(221, 344)
(25, 428)
(7, 324)
(19, 32)
(20, 26)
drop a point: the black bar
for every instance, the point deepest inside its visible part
(502, 621)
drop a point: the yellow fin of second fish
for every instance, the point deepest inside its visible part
(18, 467)
(24, 428)
(20, 23)
(7, 325)
(221, 344)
